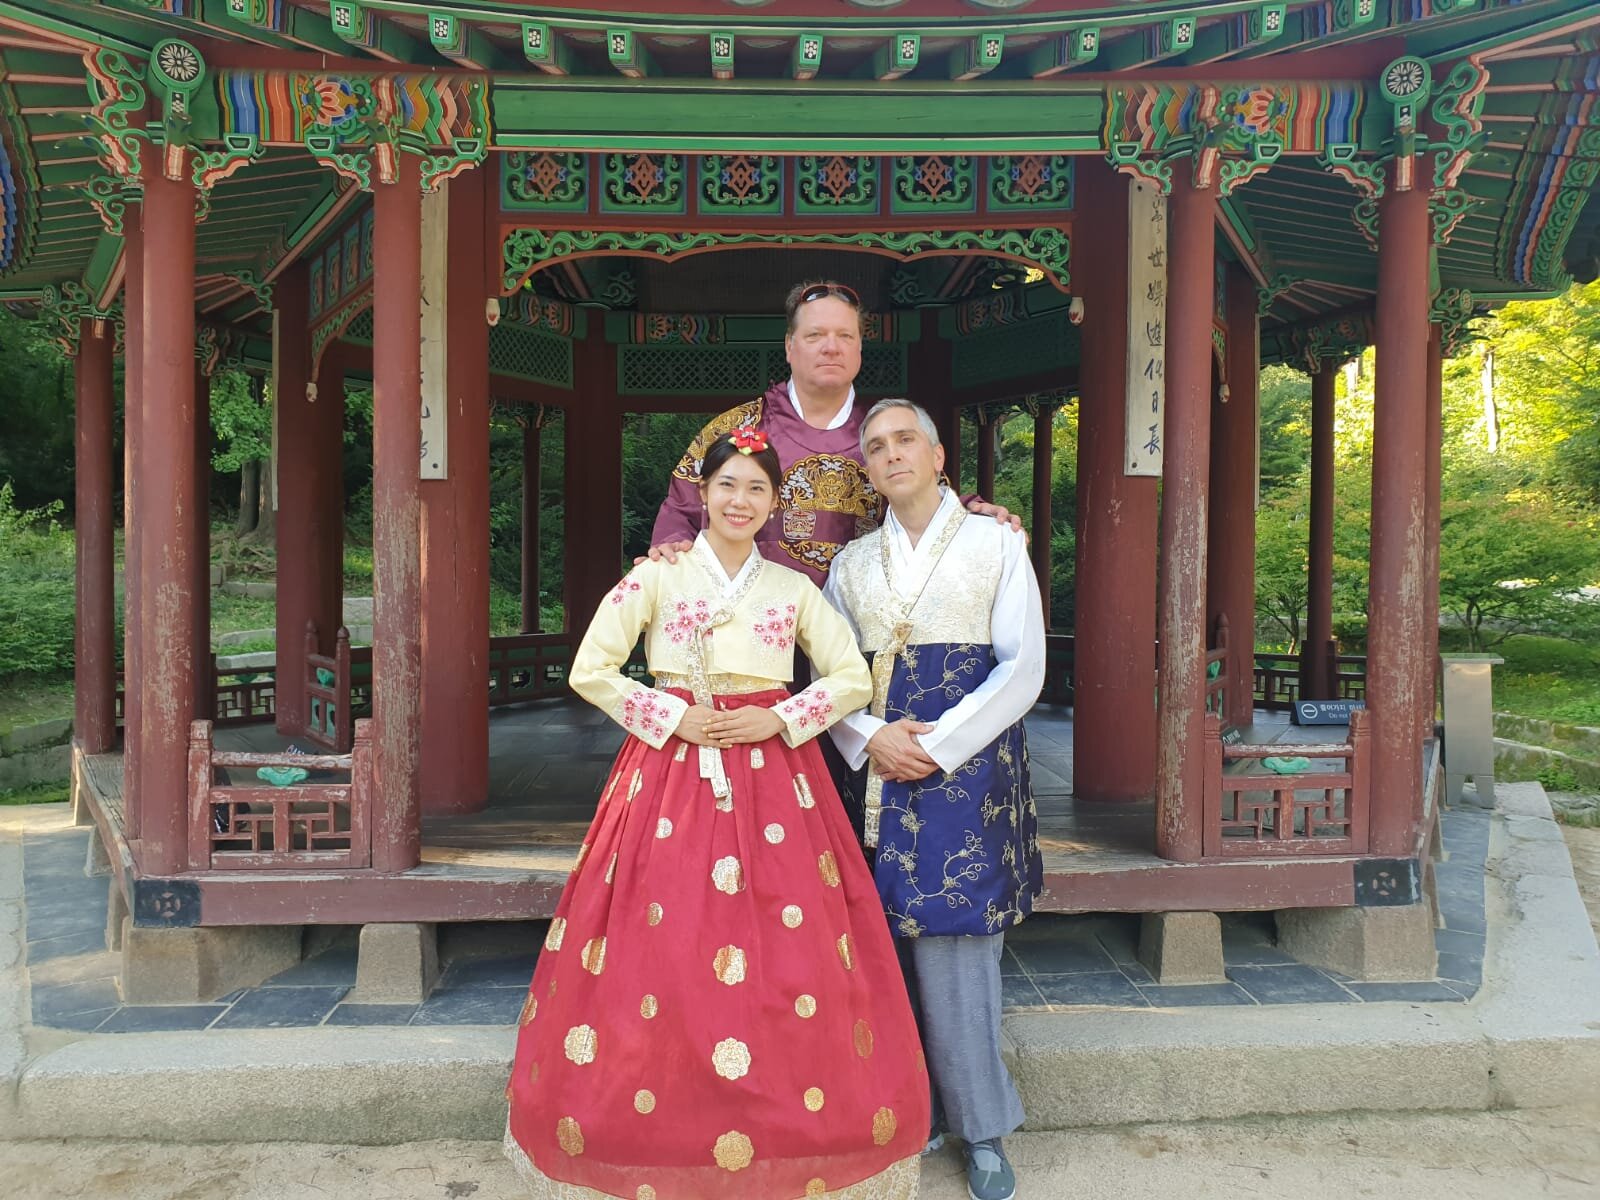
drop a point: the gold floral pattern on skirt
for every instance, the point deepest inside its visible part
(828, 868)
(582, 1044)
(733, 1151)
(558, 930)
(594, 955)
(569, 1136)
(727, 876)
(729, 965)
(731, 1059)
(805, 1006)
(644, 1101)
(883, 1126)
(863, 1039)
(792, 916)
(813, 1099)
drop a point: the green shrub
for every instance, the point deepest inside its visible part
(36, 589)
(38, 793)
(1557, 779)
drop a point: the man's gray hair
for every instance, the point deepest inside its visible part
(882, 406)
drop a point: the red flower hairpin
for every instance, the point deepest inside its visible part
(748, 441)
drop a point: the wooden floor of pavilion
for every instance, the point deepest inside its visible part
(548, 762)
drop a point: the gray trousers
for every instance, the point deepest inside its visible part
(954, 984)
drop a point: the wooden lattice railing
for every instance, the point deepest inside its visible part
(528, 666)
(242, 695)
(255, 825)
(1278, 677)
(1217, 669)
(1251, 812)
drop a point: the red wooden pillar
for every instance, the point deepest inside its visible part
(594, 492)
(1319, 685)
(396, 452)
(454, 765)
(532, 469)
(928, 384)
(298, 485)
(1114, 661)
(1231, 530)
(1434, 450)
(200, 567)
(166, 491)
(950, 436)
(986, 435)
(1397, 643)
(326, 533)
(132, 532)
(1180, 711)
(94, 643)
(1039, 531)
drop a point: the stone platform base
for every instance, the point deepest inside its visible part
(1531, 1038)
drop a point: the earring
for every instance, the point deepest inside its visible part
(705, 516)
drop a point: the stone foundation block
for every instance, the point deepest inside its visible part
(1374, 945)
(1182, 947)
(95, 859)
(116, 913)
(188, 966)
(396, 964)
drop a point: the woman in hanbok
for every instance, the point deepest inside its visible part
(718, 1013)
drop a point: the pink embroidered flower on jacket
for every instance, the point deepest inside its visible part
(645, 715)
(812, 708)
(684, 616)
(774, 628)
(623, 590)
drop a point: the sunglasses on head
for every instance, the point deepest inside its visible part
(837, 290)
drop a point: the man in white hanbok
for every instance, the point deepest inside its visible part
(949, 612)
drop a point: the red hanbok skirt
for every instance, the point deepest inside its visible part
(719, 1013)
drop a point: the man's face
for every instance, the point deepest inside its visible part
(824, 351)
(901, 462)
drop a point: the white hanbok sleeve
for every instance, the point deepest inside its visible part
(1012, 687)
(852, 733)
(843, 683)
(597, 675)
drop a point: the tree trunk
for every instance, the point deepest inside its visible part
(249, 497)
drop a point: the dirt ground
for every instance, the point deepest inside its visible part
(1467, 1156)
(1475, 1156)
(1584, 845)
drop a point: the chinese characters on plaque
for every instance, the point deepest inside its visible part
(1147, 335)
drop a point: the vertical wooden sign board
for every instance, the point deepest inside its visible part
(1147, 329)
(435, 400)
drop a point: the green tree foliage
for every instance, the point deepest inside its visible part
(241, 420)
(1545, 376)
(652, 445)
(1285, 426)
(1282, 544)
(1511, 558)
(36, 409)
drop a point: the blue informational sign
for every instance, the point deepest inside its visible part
(1325, 712)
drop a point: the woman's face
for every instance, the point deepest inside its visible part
(738, 498)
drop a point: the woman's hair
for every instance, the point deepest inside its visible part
(724, 448)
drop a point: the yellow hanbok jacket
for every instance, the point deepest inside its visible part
(705, 632)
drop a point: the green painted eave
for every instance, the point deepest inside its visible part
(824, 117)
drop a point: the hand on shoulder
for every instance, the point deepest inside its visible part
(667, 550)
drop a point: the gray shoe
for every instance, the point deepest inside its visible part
(989, 1173)
(935, 1143)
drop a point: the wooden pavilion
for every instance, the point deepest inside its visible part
(595, 210)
